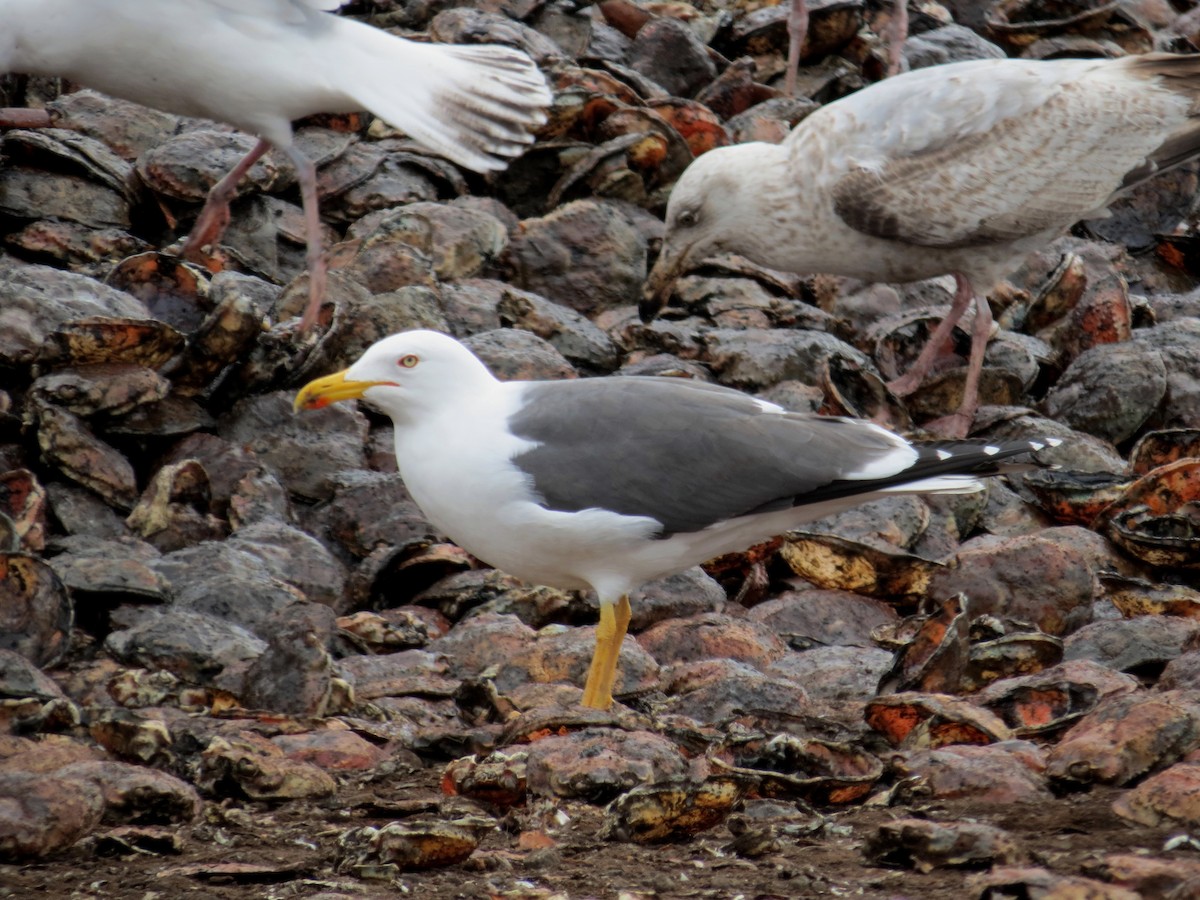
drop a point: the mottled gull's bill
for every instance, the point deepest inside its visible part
(260, 64)
(607, 483)
(959, 169)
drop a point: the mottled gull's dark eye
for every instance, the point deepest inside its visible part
(409, 361)
(686, 219)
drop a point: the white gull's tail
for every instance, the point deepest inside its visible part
(474, 104)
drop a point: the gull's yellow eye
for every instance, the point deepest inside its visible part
(409, 361)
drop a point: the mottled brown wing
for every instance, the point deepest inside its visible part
(1042, 171)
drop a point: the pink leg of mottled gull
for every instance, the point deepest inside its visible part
(17, 117)
(797, 30)
(214, 217)
(911, 380)
(958, 424)
(306, 174)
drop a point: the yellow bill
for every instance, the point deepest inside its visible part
(321, 392)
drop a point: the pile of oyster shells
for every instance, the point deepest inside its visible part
(173, 541)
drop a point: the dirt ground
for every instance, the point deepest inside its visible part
(290, 850)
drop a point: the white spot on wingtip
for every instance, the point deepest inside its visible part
(990, 450)
(944, 454)
(1037, 445)
(1053, 442)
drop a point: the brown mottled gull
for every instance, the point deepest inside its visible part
(607, 483)
(960, 169)
(259, 64)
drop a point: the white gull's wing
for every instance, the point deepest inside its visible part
(474, 104)
(992, 151)
(289, 11)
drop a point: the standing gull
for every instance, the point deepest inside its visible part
(607, 483)
(260, 64)
(961, 169)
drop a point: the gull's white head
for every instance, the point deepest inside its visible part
(713, 209)
(404, 375)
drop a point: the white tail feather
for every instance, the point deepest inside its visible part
(473, 104)
(940, 484)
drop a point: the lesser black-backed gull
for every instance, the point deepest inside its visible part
(260, 64)
(607, 483)
(958, 169)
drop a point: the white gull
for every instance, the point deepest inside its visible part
(260, 64)
(607, 483)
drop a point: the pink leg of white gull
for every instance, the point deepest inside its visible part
(306, 173)
(897, 34)
(214, 217)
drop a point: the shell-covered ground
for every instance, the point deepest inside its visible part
(235, 661)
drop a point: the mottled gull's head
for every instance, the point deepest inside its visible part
(710, 212)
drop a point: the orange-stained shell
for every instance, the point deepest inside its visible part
(921, 721)
(592, 82)
(575, 112)
(1104, 315)
(1157, 448)
(1180, 251)
(111, 339)
(1049, 701)
(734, 91)
(603, 171)
(36, 612)
(498, 779)
(832, 562)
(1018, 23)
(671, 811)
(23, 503)
(411, 845)
(174, 290)
(628, 18)
(1163, 491)
(1170, 798)
(851, 390)
(810, 769)
(1010, 655)
(699, 126)
(1075, 498)
(1158, 518)
(1058, 295)
(1136, 597)
(934, 660)
(1126, 737)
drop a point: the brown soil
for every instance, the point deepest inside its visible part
(293, 850)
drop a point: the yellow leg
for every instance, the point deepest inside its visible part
(610, 633)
